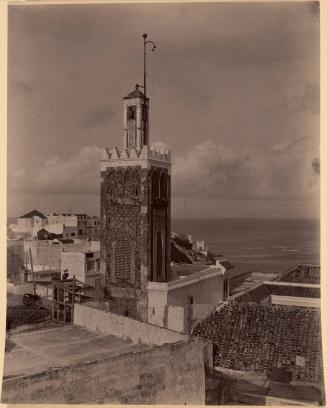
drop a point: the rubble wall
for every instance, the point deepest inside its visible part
(168, 374)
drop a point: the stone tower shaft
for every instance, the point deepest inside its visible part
(135, 215)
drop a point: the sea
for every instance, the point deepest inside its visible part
(263, 245)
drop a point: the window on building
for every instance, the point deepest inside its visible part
(131, 112)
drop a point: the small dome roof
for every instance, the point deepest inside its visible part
(135, 94)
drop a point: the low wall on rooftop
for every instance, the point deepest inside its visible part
(20, 289)
(168, 374)
(295, 301)
(124, 327)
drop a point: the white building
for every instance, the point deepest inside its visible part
(84, 225)
(70, 220)
(85, 266)
(48, 253)
(201, 247)
(65, 231)
(29, 224)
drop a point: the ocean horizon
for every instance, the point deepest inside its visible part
(266, 245)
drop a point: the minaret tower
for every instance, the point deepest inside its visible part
(135, 212)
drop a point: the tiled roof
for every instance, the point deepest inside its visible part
(256, 338)
(262, 292)
(34, 213)
(301, 273)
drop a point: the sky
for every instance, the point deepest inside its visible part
(234, 94)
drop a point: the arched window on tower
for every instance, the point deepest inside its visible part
(160, 275)
(155, 184)
(131, 127)
(131, 112)
(163, 186)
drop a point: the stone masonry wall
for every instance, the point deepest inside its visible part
(168, 374)
(135, 213)
(121, 231)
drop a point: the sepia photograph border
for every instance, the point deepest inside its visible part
(3, 155)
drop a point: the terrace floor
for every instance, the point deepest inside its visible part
(40, 350)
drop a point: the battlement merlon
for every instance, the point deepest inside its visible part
(146, 157)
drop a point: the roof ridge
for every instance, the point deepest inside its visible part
(33, 213)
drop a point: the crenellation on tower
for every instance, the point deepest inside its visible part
(146, 152)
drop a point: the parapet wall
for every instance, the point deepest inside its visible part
(169, 374)
(129, 157)
(146, 152)
(295, 301)
(124, 327)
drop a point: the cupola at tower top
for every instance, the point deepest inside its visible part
(136, 120)
(136, 93)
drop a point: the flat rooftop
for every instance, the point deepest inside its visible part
(183, 269)
(46, 349)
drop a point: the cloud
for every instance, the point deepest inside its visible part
(78, 174)
(210, 171)
(160, 145)
(288, 145)
(206, 170)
